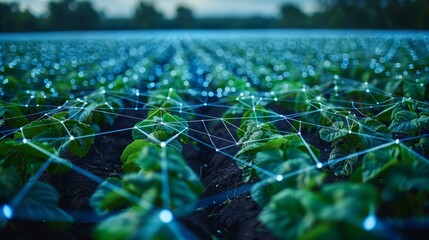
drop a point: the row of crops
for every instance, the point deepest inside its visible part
(329, 134)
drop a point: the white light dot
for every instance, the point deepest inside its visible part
(397, 141)
(162, 144)
(369, 222)
(205, 104)
(279, 178)
(165, 216)
(319, 165)
(7, 211)
(24, 141)
(71, 138)
(367, 90)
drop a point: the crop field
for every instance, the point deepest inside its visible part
(214, 135)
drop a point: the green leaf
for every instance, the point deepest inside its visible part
(12, 115)
(405, 122)
(414, 90)
(10, 183)
(41, 204)
(259, 114)
(106, 198)
(292, 213)
(28, 159)
(122, 226)
(162, 128)
(336, 131)
(373, 133)
(133, 147)
(411, 172)
(57, 131)
(83, 143)
(376, 162)
(251, 130)
(344, 167)
(289, 213)
(135, 225)
(146, 158)
(348, 202)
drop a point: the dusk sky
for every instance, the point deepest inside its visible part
(125, 8)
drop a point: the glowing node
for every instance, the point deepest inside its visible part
(397, 141)
(217, 150)
(71, 138)
(165, 216)
(319, 165)
(24, 141)
(279, 178)
(7, 211)
(205, 104)
(162, 144)
(369, 222)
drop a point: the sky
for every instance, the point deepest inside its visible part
(200, 8)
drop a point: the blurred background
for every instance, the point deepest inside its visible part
(65, 15)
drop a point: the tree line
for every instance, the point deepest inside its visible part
(343, 14)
